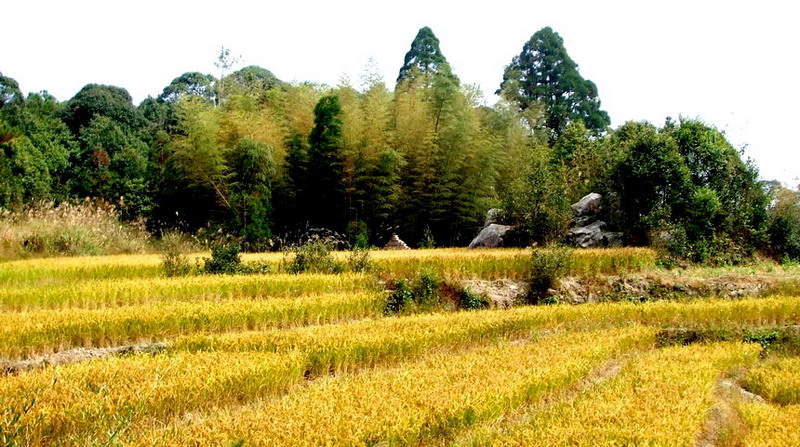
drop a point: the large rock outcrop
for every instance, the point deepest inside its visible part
(587, 230)
(490, 237)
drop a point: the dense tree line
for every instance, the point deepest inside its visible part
(249, 155)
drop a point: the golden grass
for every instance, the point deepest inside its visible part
(451, 263)
(120, 292)
(24, 334)
(661, 398)
(777, 380)
(771, 425)
(415, 403)
(98, 398)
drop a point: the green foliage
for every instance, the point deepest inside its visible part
(325, 186)
(190, 83)
(470, 301)
(400, 299)
(784, 225)
(686, 189)
(547, 268)
(427, 240)
(360, 260)
(543, 73)
(418, 295)
(537, 202)
(225, 259)
(424, 57)
(314, 256)
(173, 259)
(94, 100)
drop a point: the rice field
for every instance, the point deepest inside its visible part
(311, 359)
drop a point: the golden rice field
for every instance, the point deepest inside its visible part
(278, 359)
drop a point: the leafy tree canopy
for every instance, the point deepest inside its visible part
(189, 83)
(424, 57)
(102, 100)
(9, 91)
(543, 73)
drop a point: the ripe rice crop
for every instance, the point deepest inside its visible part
(661, 398)
(90, 400)
(777, 380)
(25, 334)
(120, 292)
(415, 403)
(770, 425)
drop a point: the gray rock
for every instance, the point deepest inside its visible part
(587, 236)
(612, 239)
(490, 237)
(582, 221)
(494, 216)
(590, 203)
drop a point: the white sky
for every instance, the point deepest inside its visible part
(733, 64)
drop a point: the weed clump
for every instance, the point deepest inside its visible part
(225, 258)
(360, 261)
(427, 292)
(314, 256)
(173, 260)
(547, 268)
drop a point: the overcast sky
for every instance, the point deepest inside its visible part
(733, 64)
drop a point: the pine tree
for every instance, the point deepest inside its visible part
(543, 73)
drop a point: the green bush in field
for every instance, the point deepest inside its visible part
(428, 292)
(360, 261)
(313, 257)
(470, 300)
(225, 258)
(547, 267)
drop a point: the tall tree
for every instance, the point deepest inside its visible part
(424, 57)
(326, 192)
(543, 73)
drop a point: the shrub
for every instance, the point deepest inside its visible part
(470, 300)
(225, 258)
(360, 260)
(426, 292)
(547, 267)
(313, 257)
(400, 298)
(173, 260)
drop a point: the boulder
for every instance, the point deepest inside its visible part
(490, 237)
(395, 243)
(587, 236)
(589, 204)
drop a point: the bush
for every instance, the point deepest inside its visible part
(173, 260)
(547, 267)
(421, 294)
(469, 300)
(313, 257)
(225, 258)
(400, 299)
(360, 261)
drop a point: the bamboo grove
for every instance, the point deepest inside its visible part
(266, 161)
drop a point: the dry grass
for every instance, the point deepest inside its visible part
(79, 228)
